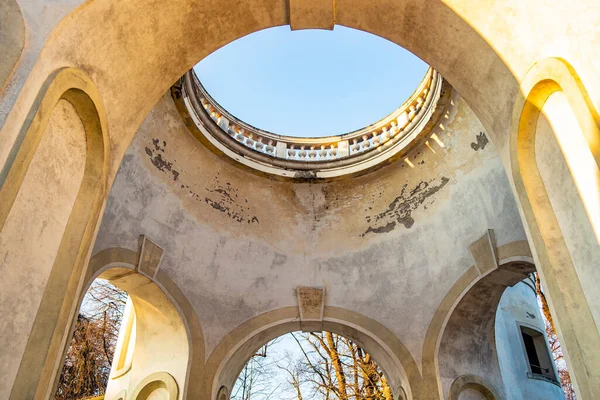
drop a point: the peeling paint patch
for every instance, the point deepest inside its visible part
(482, 141)
(400, 209)
(381, 229)
(157, 159)
(224, 199)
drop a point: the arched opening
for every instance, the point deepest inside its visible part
(310, 83)
(471, 387)
(232, 355)
(468, 345)
(316, 365)
(495, 342)
(149, 338)
(91, 351)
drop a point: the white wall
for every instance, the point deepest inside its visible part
(519, 305)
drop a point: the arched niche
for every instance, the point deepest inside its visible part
(537, 116)
(47, 224)
(479, 387)
(12, 39)
(230, 356)
(158, 383)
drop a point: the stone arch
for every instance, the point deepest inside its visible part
(157, 380)
(228, 359)
(223, 393)
(436, 33)
(475, 383)
(162, 43)
(575, 310)
(468, 344)
(12, 39)
(511, 254)
(73, 88)
(114, 264)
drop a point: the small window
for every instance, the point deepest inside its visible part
(538, 356)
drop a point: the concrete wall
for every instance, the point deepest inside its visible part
(518, 305)
(53, 182)
(493, 54)
(388, 245)
(25, 27)
(12, 38)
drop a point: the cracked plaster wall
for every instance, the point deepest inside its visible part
(389, 244)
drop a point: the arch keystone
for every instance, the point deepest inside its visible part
(311, 304)
(484, 252)
(312, 14)
(150, 257)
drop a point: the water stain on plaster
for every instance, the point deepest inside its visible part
(222, 198)
(482, 141)
(400, 210)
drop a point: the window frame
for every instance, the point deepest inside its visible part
(552, 376)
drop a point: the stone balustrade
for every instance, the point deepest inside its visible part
(306, 154)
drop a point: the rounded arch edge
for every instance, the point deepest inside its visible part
(125, 259)
(228, 359)
(474, 382)
(557, 270)
(37, 370)
(156, 380)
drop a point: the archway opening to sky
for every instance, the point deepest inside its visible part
(315, 365)
(311, 83)
(87, 365)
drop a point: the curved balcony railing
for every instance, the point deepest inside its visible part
(389, 134)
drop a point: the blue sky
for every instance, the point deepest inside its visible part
(311, 82)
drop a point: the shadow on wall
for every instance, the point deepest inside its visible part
(12, 38)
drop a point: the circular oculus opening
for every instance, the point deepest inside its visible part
(310, 83)
(263, 77)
